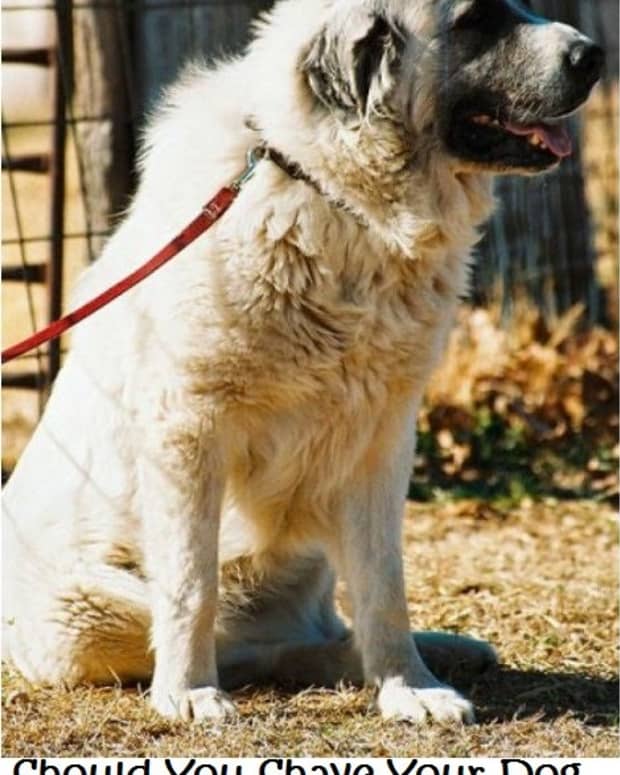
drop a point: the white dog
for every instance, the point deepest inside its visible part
(243, 421)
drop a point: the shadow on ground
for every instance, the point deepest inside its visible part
(503, 694)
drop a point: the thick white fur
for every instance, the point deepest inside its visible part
(250, 407)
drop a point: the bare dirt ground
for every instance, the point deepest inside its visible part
(539, 581)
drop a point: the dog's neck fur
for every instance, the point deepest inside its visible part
(294, 171)
(388, 190)
(408, 197)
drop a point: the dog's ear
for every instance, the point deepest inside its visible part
(352, 69)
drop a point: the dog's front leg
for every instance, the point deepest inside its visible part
(371, 557)
(180, 493)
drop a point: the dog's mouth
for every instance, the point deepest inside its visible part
(501, 143)
(549, 137)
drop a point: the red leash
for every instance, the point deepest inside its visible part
(210, 213)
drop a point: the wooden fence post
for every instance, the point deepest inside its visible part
(100, 97)
(168, 36)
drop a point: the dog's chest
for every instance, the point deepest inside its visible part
(329, 331)
(330, 364)
(312, 306)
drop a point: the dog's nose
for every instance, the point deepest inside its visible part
(586, 59)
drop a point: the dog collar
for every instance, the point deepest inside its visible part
(291, 168)
(294, 171)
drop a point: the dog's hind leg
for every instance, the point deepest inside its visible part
(450, 657)
(90, 626)
(455, 658)
(292, 665)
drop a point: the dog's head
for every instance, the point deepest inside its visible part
(484, 81)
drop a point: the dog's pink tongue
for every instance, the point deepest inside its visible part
(554, 136)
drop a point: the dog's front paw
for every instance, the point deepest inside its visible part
(398, 701)
(205, 703)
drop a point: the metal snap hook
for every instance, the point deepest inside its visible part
(254, 155)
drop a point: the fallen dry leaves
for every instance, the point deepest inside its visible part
(524, 410)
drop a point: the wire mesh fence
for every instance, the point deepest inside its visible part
(106, 62)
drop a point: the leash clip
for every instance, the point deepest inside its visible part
(254, 155)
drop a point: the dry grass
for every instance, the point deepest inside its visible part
(538, 581)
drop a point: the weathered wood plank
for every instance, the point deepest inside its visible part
(101, 89)
(167, 38)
